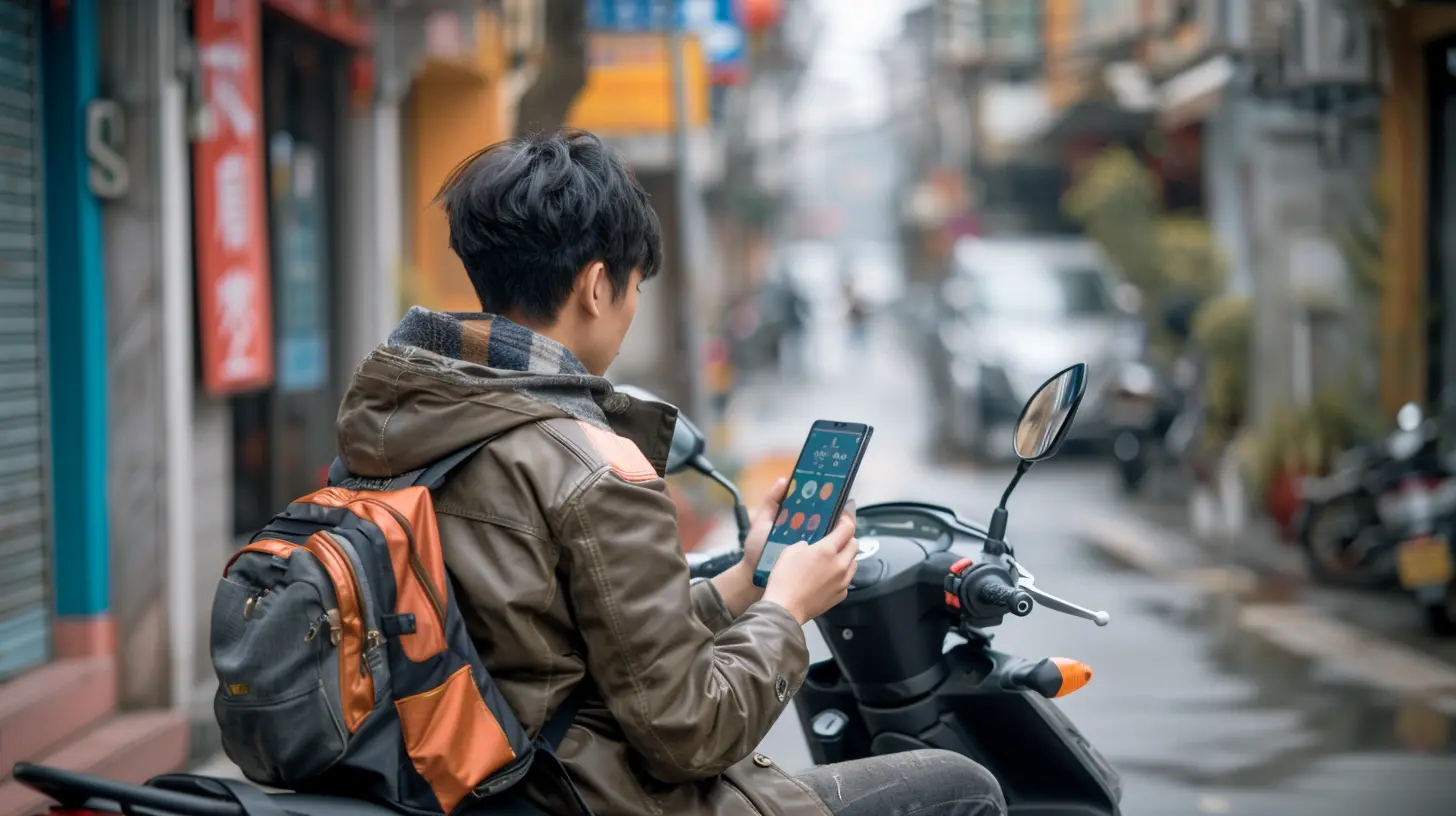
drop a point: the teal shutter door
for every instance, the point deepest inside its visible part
(25, 581)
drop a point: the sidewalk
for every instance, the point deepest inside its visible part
(1369, 639)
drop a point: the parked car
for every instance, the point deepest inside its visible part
(1015, 312)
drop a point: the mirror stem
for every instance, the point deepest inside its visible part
(996, 530)
(701, 464)
(1021, 470)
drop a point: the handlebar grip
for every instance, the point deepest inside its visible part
(716, 565)
(995, 590)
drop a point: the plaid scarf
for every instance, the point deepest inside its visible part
(553, 374)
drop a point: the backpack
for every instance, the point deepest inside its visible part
(344, 665)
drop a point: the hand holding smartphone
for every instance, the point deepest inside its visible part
(818, 489)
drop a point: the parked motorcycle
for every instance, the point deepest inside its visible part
(1419, 512)
(1156, 411)
(1137, 415)
(912, 663)
(1375, 520)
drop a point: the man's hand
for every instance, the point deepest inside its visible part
(809, 579)
(736, 584)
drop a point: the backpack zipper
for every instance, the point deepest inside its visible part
(372, 636)
(251, 604)
(416, 565)
(332, 620)
(325, 541)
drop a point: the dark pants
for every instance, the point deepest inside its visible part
(914, 783)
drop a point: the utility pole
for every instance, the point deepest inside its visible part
(689, 327)
(562, 72)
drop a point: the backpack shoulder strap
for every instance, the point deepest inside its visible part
(554, 731)
(550, 739)
(431, 476)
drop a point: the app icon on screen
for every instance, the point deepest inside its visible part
(809, 487)
(814, 522)
(783, 517)
(826, 491)
(797, 522)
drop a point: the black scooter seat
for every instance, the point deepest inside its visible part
(193, 795)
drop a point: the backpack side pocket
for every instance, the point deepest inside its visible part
(275, 647)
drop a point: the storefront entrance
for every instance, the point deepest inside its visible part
(1441, 231)
(284, 437)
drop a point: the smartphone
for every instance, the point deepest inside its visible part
(818, 489)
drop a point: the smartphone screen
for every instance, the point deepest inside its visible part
(818, 488)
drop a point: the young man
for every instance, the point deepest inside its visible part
(559, 536)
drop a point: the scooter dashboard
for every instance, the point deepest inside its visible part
(940, 526)
(895, 538)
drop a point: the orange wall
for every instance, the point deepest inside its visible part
(1066, 83)
(629, 85)
(453, 110)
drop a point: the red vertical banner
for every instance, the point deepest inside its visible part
(233, 291)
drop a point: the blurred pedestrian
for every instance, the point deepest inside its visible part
(793, 356)
(858, 312)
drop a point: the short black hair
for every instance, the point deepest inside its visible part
(527, 214)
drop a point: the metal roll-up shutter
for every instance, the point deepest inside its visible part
(25, 580)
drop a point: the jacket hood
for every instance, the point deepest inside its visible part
(446, 380)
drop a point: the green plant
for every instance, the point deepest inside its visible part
(1307, 439)
(1192, 261)
(1165, 257)
(1116, 203)
(1222, 328)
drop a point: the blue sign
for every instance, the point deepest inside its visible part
(713, 21)
(632, 15)
(303, 348)
(723, 38)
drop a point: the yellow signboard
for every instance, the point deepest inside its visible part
(629, 85)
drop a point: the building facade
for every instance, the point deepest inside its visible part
(189, 271)
(60, 666)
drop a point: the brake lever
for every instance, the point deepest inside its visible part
(1026, 581)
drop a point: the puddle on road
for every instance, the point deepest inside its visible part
(1334, 716)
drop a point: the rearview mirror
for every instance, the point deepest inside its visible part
(686, 452)
(1048, 415)
(688, 443)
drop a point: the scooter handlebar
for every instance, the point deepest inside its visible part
(985, 590)
(714, 566)
(996, 590)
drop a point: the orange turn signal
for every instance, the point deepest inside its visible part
(1075, 674)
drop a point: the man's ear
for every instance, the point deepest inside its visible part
(595, 288)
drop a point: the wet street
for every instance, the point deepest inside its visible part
(1198, 712)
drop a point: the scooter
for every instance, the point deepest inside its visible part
(1139, 419)
(912, 662)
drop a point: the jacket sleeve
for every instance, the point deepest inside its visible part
(708, 605)
(690, 702)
